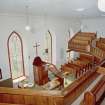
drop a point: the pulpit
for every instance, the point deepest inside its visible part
(40, 72)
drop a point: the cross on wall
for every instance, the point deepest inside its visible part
(36, 48)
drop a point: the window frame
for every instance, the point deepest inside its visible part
(8, 47)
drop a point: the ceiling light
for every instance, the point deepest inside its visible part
(101, 5)
(80, 9)
(27, 27)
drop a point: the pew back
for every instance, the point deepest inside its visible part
(30, 97)
(93, 96)
(100, 45)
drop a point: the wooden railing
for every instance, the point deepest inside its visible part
(77, 87)
(71, 68)
(88, 34)
(41, 97)
(100, 44)
(30, 97)
(98, 53)
(93, 96)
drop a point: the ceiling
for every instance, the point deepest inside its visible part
(64, 8)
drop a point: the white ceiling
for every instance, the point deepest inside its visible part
(65, 8)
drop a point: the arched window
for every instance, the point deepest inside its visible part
(15, 55)
(48, 47)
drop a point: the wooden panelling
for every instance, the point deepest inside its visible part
(34, 97)
(9, 104)
(89, 99)
(17, 99)
(30, 100)
(6, 98)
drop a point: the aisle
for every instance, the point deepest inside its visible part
(81, 97)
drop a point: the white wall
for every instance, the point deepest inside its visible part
(57, 26)
(94, 25)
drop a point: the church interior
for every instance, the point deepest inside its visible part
(52, 52)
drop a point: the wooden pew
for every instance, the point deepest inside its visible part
(84, 38)
(86, 62)
(80, 42)
(72, 68)
(79, 45)
(100, 45)
(75, 89)
(88, 34)
(80, 66)
(83, 65)
(90, 59)
(102, 40)
(87, 56)
(93, 97)
(98, 53)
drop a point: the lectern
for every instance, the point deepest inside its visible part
(40, 73)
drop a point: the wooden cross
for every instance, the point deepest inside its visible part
(36, 48)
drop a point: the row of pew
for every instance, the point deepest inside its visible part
(79, 66)
(88, 43)
(82, 41)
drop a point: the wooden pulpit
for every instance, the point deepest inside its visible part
(40, 72)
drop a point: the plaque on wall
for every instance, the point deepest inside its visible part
(0, 74)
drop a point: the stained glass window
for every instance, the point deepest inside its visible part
(15, 53)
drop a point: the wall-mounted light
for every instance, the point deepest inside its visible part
(27, 27)
(101, 5)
